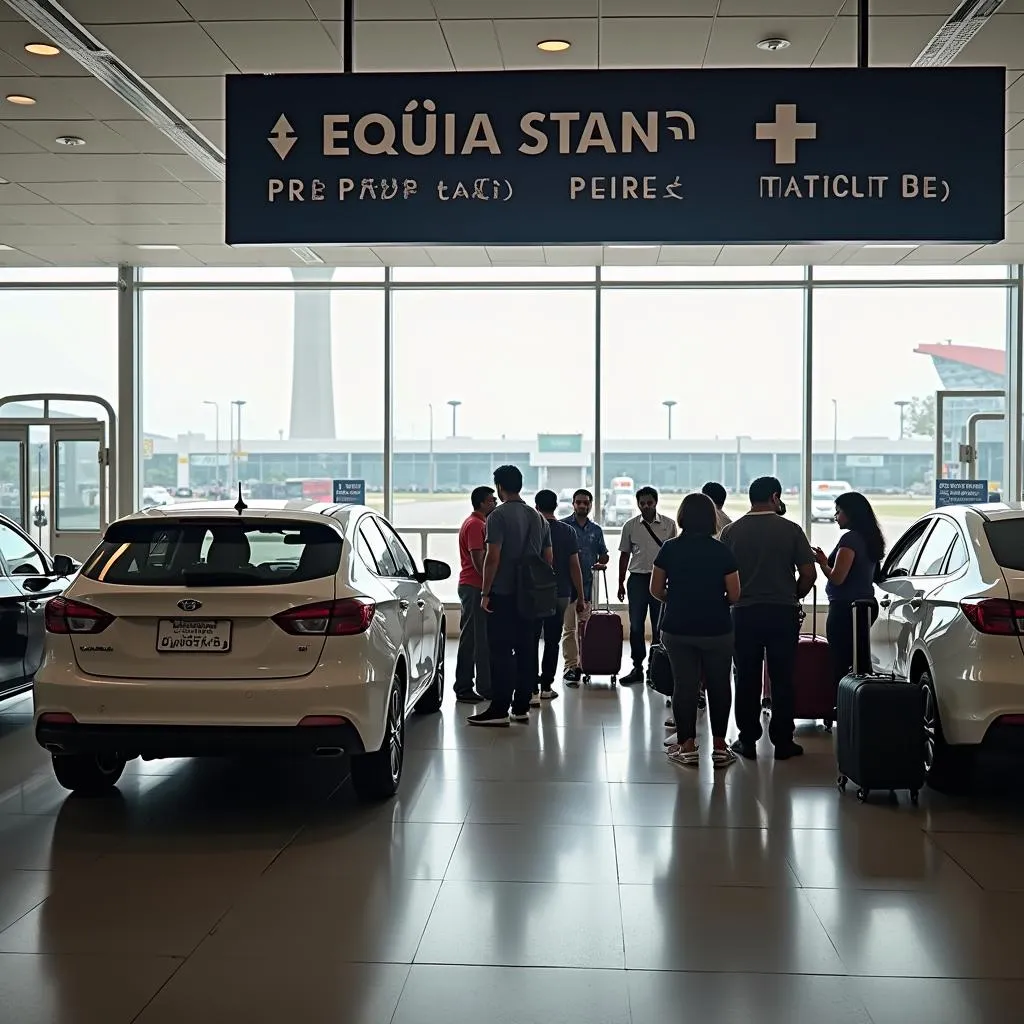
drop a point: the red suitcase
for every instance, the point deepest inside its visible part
(601, 637)
(814, 695)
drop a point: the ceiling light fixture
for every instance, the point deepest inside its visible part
(7, 248)
(4, 181)
(21, 101)
(42, 49)
(69, 140)
(554, 45)
(155, 246)
(773, 44)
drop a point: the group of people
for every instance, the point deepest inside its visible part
(724, 598)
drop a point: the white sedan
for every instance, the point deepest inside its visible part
(951, 620)
(208, 629)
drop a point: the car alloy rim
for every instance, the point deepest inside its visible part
(929, 728)
(395, 730)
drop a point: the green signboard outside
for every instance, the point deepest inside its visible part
(560, 443)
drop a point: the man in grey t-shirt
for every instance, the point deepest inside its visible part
(777, 570)
(514, 531)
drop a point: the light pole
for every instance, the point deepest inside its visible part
(430, 485)
(216, 435)
(454, 403)
(669, 404)
(835, 438)
(740, 438)
(902, 406)
(238, 403)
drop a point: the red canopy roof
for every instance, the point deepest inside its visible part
(992, 360)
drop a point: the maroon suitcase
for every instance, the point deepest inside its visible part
(814, 690)
(601, 638)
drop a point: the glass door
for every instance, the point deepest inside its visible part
(14, 450)
(78, 487)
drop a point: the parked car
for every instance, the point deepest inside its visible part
(28, 579)
(210, 629)
(951, 621)
(564, 509)
(823, 499)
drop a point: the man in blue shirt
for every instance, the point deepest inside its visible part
(593, 553)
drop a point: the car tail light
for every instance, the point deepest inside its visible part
(347, 617)
(995, 616)
(65, 616)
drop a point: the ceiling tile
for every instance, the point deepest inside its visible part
(659, 8)
(1015, 137)
(347, 255)
(516, 255)
(98, 137)
(892, 41)
(147, 214)
(518, 41)
(36, 213)
(631, 255)
(374, 10)
(178, 50)
(1015, 97)
(942, 8)
(276, 46)
(798, 255)
(573, 255)
(926, 254)
(246, 256)
(119, 12)
(249, 10)
(56, 98)
(685, 255)
(734, 41)
(748, 255)
(397, 46)
(193, 97)
(48, 167)
(496, 9)
(20, 259)
(403, 256)
(1003, 252)
(12, 141)
(112, 192)
(184, 168)
(147, 139)
(15, 195)
(168, 234)
(655, 42)
(792, 8)
(12, 41)
(208, 191)
(63, 234)
(458, 256)
(473, 45)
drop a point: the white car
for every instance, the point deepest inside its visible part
(823, 499)
(951, 620)
(209, 629)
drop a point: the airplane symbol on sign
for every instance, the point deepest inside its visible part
(282, 137)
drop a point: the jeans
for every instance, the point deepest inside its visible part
(550, 631)
(641, 605)
(513, 643)
(840, 633)
(765, 632)
(690, 657)
(474, 659)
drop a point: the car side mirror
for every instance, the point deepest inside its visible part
(434, 571)
(64, 565)
(36, 583)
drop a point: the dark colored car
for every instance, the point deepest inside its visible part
(28, 579)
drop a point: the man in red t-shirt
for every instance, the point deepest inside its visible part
(474, 655)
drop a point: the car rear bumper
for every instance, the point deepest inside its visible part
(156, 741)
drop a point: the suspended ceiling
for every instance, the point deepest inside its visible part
(129, 186)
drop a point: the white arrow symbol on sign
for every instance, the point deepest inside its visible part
(282, 137)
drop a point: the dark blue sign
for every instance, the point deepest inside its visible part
(961, 492)
(628, 157)
(350, 492)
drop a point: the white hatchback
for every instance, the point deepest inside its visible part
(210, 629)
(951, 620)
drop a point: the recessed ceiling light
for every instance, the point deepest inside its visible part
(553, 45)
(21, 101)
(154, 246)
(69, 140)
(42, 49)
(4, 181)
(773, 44)
(7, 248)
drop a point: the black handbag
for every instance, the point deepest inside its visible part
(659, 668)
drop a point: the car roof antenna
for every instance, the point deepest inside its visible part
(240, 505)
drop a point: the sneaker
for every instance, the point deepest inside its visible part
(634, 677)
(572, 676)
(788, 750)
(747, 750)
(489, 717)
(522, 717)
(535, 699)
(702, 701)
(548, 694)
(469, 697)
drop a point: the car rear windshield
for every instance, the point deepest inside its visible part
(1006, 539)
(219, 553)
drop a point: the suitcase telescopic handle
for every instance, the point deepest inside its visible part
(860, 608)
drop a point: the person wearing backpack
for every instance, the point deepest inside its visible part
(518, 590)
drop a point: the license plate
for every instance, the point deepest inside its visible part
(191, 636)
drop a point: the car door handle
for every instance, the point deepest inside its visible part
(404, 605)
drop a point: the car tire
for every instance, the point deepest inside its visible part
(88, 774)
(430, 703)
(948, 768)
(377, 774)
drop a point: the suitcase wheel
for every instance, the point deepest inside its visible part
(827, 722)
(913, 797)
(615, 679)
(862, 794)
(841, 783)
(586, 680)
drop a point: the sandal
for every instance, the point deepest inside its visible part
(722, 758)
(671, 740)
(688, 758)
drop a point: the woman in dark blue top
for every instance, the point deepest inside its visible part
(851, 571)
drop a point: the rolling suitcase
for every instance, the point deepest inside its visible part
(814, 691)
(879, 727)
(601, 638)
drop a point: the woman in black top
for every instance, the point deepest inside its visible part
(696, 578)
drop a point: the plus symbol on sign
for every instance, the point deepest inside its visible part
(785, 131)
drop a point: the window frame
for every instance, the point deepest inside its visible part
(916, 534)
(5, 562)
(938, 522)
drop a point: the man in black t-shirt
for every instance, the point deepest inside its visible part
(565, 550)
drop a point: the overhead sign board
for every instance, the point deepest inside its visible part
(961, 492)
(629, 157)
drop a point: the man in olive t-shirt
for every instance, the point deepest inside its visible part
(777, 570)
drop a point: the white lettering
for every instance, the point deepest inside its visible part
(596, 135)
(771, 182)
(527, 126)
(409, 143)
(295, 186)
(910, 186)
(576, 186)
(792, 188)
(564, 121)
(274, 188)
(481, 136)
(449, 135)
(345, 185)
(335, 136)
(631, 127)
(840, 191)
(386, 143)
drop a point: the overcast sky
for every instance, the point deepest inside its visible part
(521, 362)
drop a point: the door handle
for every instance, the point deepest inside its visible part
(404, 605)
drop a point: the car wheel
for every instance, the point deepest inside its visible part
(376, 775)
(88, 774)
(947, 768)
(430, 702)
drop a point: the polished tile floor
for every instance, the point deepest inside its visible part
(560, 873)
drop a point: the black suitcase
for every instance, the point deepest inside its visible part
(879, 727)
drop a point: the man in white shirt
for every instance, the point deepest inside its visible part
(641, 540)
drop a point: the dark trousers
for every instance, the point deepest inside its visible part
(765, 633)
(513, 643)
(840, 633)
(474, 660)
(641, 606)
(549, 631)
(693, 658)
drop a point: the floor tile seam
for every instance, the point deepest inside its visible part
(952, 856)
(401, 992)
(426, 922)
(35, 906)
(149, 1002)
